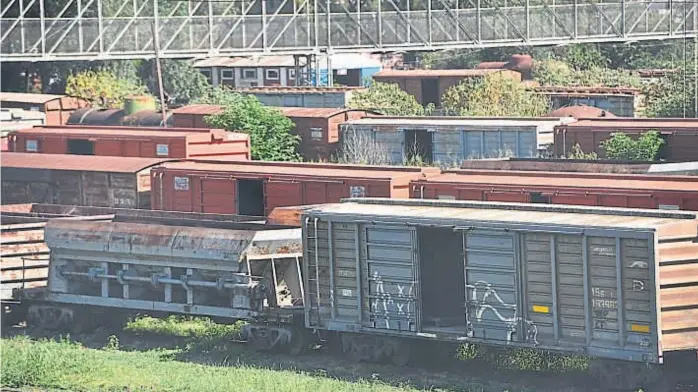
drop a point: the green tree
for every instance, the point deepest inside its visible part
(623, 147)
(386, 98)
(182, 82)
(552, 72)
(102, 85)
(672, 96)
(494, 95)
(268, 128)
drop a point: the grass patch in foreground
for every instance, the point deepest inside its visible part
(185, 326)
(67, 365)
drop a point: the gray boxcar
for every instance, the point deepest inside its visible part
(450, 140)
(609, 283)
(100, 181)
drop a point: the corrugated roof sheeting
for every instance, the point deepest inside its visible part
(620, 122)
(78, 162)
(556, 179)
(493, 122)
(296, 169)
(517, 213)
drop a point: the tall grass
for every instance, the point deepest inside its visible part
(65, 365)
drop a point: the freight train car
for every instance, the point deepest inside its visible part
(614, 284)
(256, 188)
(25, 255)
(611, 190)
(76, 180)
(169, 262)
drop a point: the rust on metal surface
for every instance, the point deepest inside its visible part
(79, 162)
(621, 124)
(564, 179)
(199, 109)
(580, 111)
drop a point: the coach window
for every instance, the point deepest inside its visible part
(249, 73)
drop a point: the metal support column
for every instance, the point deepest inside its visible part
(100, 27)
(210, 26)
(21, 26)
(264, 25)
(79, 16)
(42, 12)
(429, 27)
(380, 23)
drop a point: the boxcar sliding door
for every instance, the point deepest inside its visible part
(389, 257)
(492, 303)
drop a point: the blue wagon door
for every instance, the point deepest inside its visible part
(492, 303)
(390, 271)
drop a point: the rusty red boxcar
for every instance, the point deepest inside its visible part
(318, 128)
(611, 190)
(57, 108)
(680, 135)
(255, 188)
(133, 142)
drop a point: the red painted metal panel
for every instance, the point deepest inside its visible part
(574, 199)
(516, 197)
(281, 194)
(53, 145)
(131, 148)
(109, 147)
(217, 195)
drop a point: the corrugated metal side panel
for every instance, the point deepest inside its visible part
(678, 273)
(448, 146)
(389, 256)
(316, 274)
(24, 259)
(68, 188)
(492, 286)
(281, 194)
(344, 256)
(394, 142)
(217, 195)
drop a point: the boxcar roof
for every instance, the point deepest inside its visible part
(427, 122)
(460, 212)
(25, 160)
(297, 169)
(85, 131)
(572, 180)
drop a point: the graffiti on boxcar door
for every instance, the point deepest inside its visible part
(484, 298)
(385, 301)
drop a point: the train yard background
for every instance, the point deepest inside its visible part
(80, 139)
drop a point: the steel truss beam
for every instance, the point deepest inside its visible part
(118, 29)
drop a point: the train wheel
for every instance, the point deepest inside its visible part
(261, 339)
(298, 343)
(49, 317)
